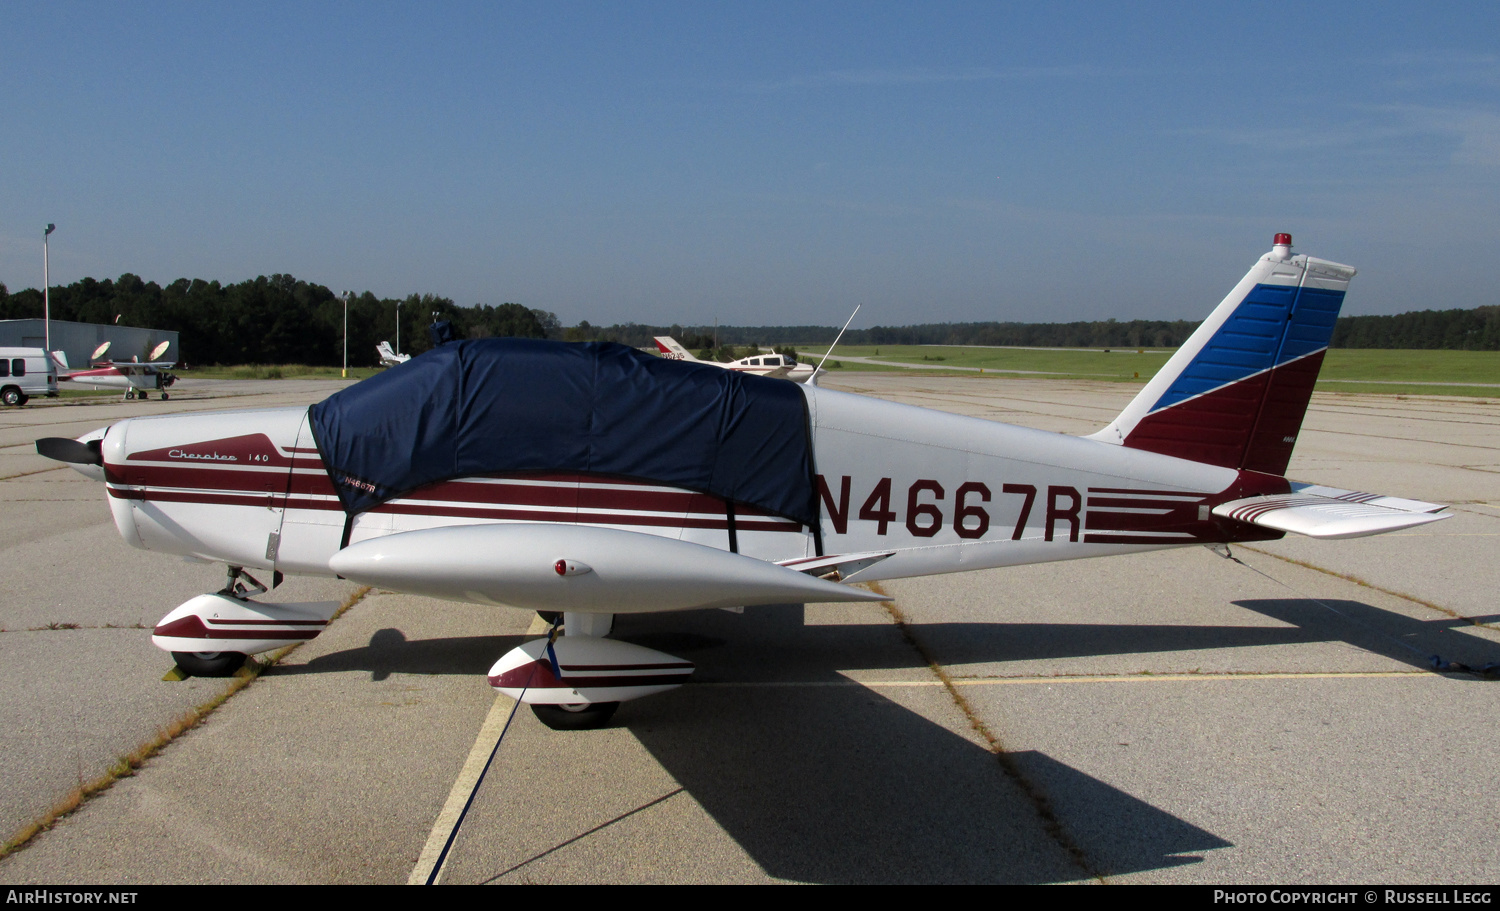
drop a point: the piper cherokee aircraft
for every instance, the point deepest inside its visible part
(516, 472)
(776, 366)
(388, 355)
(137, 378)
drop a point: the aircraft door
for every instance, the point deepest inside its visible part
(312, 524)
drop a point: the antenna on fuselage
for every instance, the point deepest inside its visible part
(814, 378)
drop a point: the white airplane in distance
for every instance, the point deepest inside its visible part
(776, 366)
(138, 378)
(514, 472)
(388, 356)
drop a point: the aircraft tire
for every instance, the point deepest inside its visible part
(12, 396)
(210, 664)
(163, 396)
(129, 395)
(575, 718)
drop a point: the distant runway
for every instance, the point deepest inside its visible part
(1171, 717)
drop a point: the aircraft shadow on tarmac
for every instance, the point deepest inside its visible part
(1427, 644)
(842, 785)
(1392, 635)
(390, 652)
(838, 783)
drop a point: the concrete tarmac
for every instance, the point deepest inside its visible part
(1170, 717)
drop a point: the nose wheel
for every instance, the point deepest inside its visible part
(210, 664)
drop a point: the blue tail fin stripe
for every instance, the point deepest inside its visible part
(1272, 325)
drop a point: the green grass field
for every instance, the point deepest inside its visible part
(276, 372)
(1344, 370)
(1471, 373)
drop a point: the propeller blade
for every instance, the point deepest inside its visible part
(62, 449)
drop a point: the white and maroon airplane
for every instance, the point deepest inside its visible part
(137, 378)
(515, 472)
(777, 366)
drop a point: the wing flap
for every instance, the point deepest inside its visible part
(837, 568)
(1328, 512)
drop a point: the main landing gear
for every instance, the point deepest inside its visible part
(575, 678)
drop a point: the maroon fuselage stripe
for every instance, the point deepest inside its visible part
(191, 627)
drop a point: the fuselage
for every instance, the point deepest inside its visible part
(122, 376)
(945, 493)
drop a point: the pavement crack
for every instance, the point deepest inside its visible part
(126, 765)
(582, 835)
(1448, 612)
(1034, 793)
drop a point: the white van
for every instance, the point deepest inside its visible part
(25, 372)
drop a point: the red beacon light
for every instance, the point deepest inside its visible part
(1282, 251)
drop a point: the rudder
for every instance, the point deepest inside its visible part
(1235, 393)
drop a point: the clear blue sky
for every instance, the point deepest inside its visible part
(758, 162)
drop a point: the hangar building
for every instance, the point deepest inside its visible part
(78, 340)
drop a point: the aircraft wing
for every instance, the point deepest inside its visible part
(1328, 512)
(542, 566)
(133, 368)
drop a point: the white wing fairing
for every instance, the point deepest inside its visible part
(573, 498)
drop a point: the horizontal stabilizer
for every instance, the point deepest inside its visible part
(577, 568)
(1328, 512)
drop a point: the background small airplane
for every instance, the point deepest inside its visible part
(776, 366)
(389, 357)
(138, 378)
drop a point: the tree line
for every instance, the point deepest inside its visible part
(272, 320)
(280, 319)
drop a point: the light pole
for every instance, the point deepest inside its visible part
(346, 335)
(47, 292)
(398, 327)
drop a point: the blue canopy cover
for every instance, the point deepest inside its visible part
(508, 405)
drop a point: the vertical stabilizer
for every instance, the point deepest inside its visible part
(1235, 393)
(672, 351)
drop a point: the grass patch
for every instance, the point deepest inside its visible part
(1067, 363)
(1447, 367)
(86, 393)
(276, 372)
(126, 766)
(1384, 372)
